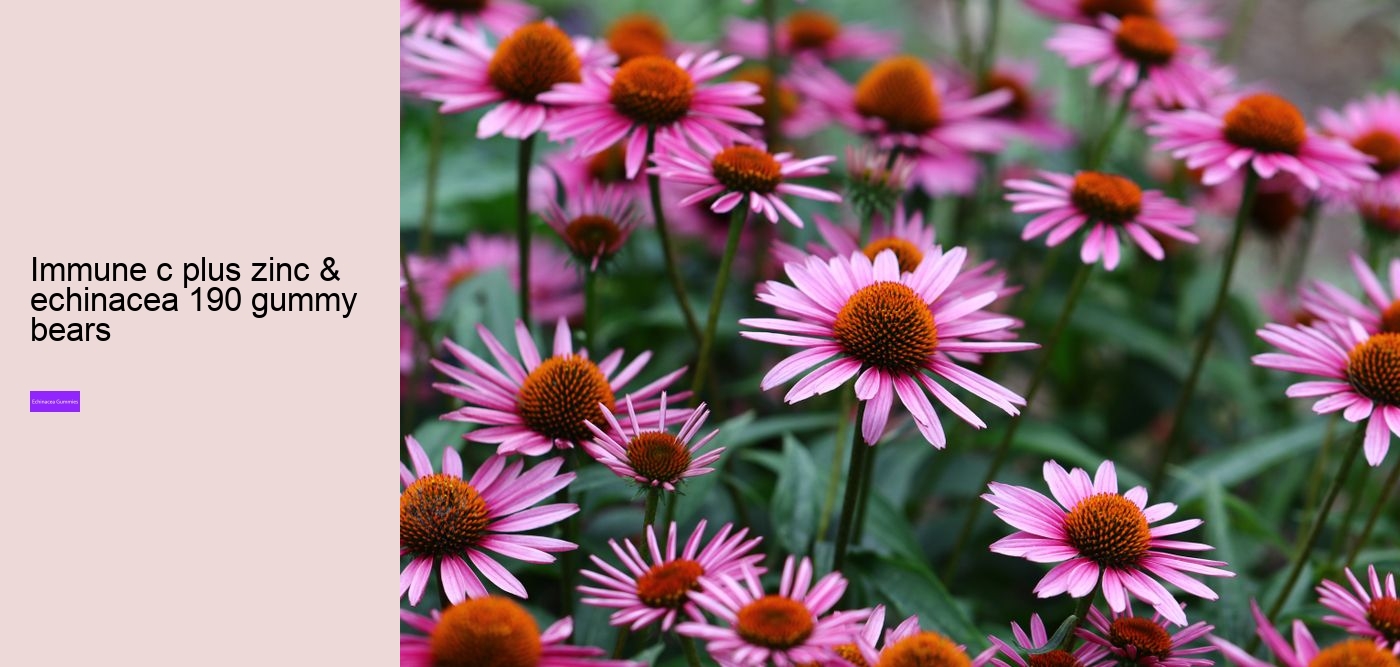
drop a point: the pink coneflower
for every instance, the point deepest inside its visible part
(637, 35)
(907, 235)
(1305, 652)
(1030, 113)
(787, 628)
(434, 18)
(1279, 203)
(1033, 645)
(562, 176)
(1373, 612)
(1381, 315)
(1379, 208)
(1108, 204)
(1188, 18)
(664, 588)
(1145, 642)
(493, 631)
(466, 73)
(734, 174)
(812, 34)
(1264, 132)
(594, 224)
(876, 180)
(675, 97)
(445, 520)
(894, 330)
(1363, 379)
(1095, 530)
(1136, 51)
(1372, 126)
(907, 644)
(654, 458)
(546, 403)
(555, 289)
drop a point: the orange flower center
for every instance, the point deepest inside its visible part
(1390, 317)
(1274, 212)
(560, 394)
(1118, 8)
(1056, 658)
(666, 585)
(439, 515)
(1145, 40)
(1266, 123)
(747, 169)
(1382, 145)
(908, 254)
(637, 35)
(592, 235)
(808, 29)
(460, 6)
(1354, 653)
(925, 649)
(1373, 368)
(775, 622)
(653, 90)
(658, 455)
(609, 165)
(1021, 100)
(1384, 615)
(1109, 530)
(486, 632)
(851, 653)
(1382, 216)
(900, 91)
(761, 77)
(1106, 197)
(531, 60)
(1142, 634)
(888, 326)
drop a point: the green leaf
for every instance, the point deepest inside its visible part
(794, 506)
(890, 529)
(1238, 463)
(914, 589)
(1233, 617)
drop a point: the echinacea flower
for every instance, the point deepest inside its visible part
(1379, 209)
(1372, 126)
(1305, 652)
(1261, 132)
(1145, 642)
(1108, 204)
(785, 629)
(876, 181)
(1038, 653)
(664, 588)
(434, 18)
(1136, 52)
(493, 631)
(563, 176)
(904, 233)
(1030, 113)
(466, 73)
(546, 403)
(1097, 534)
(734, 174)
(594, 224)
(1363, 380)
(908, 644)
(445, 521)
(555, 290)
(891, 331)
(811, 34)
(675, 98)
(1365, 612)
(1380, 315)
(1188, 18)
(653, 458)
(637, 35)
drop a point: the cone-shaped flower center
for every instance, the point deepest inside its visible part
(486, 632)
(637, 35)
(908, 254)
(1145, 40)
(900, 91)
(592, 235)
(531, 60)
(440, 514)
(775, 622)
(808, 29)
(609, 165)
(1382, 145)
(1384, 615)
(1106, 197)
(666, 585)
(851, 653)
(887, 325)
(462, 6)
(1056, 658)
(1354, 653)
(1390, 317)
(747, 169)
(1373, 368)
(1109, 530)
(1119, 8)
(652, 90)
(925, 649)
(657, 455)
(759, 76)
(1266, 123)
(1274, 212)
(1021, 100)
(1142, 634)
(561, 393)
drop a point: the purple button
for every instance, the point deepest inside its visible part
(55, 401)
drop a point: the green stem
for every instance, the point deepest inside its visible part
(1242, 21)
(1300, 254)
(1105, 144)
(522, 222)
(1081, 611)
(590, 312)
(620, 646)
(667, 251)
(653, 499)
(771, 109)
(1319, 467)
(1358, 496)
(867, 470)
(848, 506)
(436, 129)
(1222, 293)
(962, 32)
(692, 655)
(833, 481)
(1381, 504)
(707, 343)
(1076, 288)
(989, 41)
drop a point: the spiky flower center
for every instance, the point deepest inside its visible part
(851, 653)
(1143, 635)
(808, 29)
(925, 649)
(900, 91)
(439, 515)
(759, 76)
(593, 235)
(909, 255)
(1119, 8)
(486, 632)
(888, 326)
(652, 90)
(1021, 99)
(1354, 653)
(1056, 658)
(1109, 530)
(1145, 40)
(1106, 197)
(1274, 212)
(665, 586)
(609, 165)
(560, 394)
(637, 35)
(1390, 317)
(459, 6)
(1266, 123)
(659, 456)
(1373, 368)
(1384, 615)
(775, 622)
(747, 169)
(1382, 145)
(531, 60)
